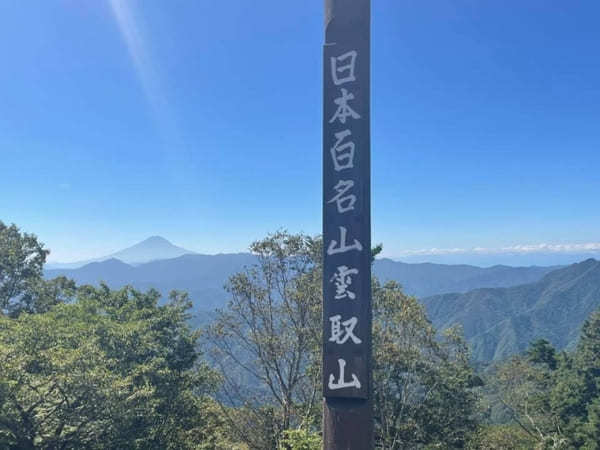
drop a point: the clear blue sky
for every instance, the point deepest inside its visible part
(199, 120)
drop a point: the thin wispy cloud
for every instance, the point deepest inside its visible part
(513, 249)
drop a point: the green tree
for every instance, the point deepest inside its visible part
(542, 352)
(265, 342)
(587, 355)
(554, 398)
(22, 286)
(267, 345)
(111, 370)
(580, 411)
(591, 429)
(523, 388)
(41, 295)
(501, 437)
(422, 386)
(22, 258)
(301, 439)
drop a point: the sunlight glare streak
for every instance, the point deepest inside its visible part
(148, 77)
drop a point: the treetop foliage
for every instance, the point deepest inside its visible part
(21, 263)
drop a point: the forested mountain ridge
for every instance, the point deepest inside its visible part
(426, 279)
(203, 276)
(499, 322)
(501, 308)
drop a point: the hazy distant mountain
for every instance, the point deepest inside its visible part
(514, 259)
(152, 249)
(500, 322)
(501, 308)
(427, 279)
(202, 276)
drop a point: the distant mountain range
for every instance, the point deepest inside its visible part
(492, 257)
(426, 279)
(499, 322)
(151, 249)
(501, 308)
(203, 276)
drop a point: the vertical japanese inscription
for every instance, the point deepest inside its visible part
(346, 221)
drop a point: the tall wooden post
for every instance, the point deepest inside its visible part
(347, 314)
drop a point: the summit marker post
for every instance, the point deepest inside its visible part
(347, 313)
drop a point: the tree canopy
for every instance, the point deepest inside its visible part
(113, 367)
(267, 344)
(22, 259)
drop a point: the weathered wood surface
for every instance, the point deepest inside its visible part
(347, 321)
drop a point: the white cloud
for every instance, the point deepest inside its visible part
(513, 249)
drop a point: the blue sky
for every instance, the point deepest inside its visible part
(200, 121)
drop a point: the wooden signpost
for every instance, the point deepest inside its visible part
(347, 416)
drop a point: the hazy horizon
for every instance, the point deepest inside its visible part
(523, 255)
